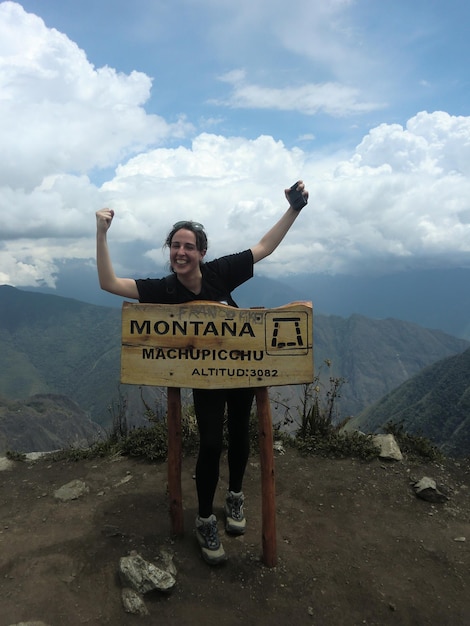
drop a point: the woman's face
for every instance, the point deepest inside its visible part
(184, 255)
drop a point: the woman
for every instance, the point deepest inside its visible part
(192, 279)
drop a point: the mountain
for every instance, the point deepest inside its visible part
(50, 344)
(431, 298)
(42, 423)
(435, 404)
(375, 356)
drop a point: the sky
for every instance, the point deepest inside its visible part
(207, 109)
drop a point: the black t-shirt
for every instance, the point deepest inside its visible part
(219, 278)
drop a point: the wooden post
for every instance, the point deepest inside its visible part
(268, 496)
(174, 460)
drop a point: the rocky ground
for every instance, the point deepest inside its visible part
(354, 546)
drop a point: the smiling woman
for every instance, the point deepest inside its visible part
(193, 279)
(188, 246)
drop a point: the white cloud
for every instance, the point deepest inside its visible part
(374, 212)
(26, 262)
(398, 201)
(433, 143)
(59, 113)
(321, 43)
(406, 196)
(319, 63)
(331, 98)
(325, 33)
(219, 181)
(322, 31)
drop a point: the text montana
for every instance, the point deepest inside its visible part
(194, 328)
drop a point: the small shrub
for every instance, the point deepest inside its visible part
(15, 456)
(319, 425)
(338, 445)
(189, 432)
(317, 412)
(414, 446)
(102, 448)
(254, 433)
(147, 442)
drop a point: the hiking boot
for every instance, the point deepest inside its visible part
(207, 535)
(235, 522)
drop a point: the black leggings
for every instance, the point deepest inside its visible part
(209, 405)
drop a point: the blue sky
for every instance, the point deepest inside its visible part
(207, 109)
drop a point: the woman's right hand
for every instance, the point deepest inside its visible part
(104, 217)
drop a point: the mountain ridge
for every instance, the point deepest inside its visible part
(421, 404)
(431, 297)
(55, 345)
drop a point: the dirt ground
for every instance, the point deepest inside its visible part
(354, 546)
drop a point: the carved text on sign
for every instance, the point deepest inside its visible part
(211, 345)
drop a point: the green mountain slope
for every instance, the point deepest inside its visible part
(376, 356)
(435, 404)
(55, 345)
(43, 422)
(58, 345)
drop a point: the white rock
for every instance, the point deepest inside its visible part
(426, 489)
(279, 447)
(168, 563)
(389, 449)
(142, 576)
(5, 464)
(71, 491)
(133, 602)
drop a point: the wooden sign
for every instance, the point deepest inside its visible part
(207, 345)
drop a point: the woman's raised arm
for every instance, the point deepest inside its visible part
(270, 241)
(124, 287)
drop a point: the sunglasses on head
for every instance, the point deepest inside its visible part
(184, 223)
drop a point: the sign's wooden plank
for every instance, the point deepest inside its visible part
(211, 345)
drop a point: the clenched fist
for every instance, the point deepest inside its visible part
(104, 217)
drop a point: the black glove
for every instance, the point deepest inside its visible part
(297, 199)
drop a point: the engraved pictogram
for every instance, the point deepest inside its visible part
(286, 334)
